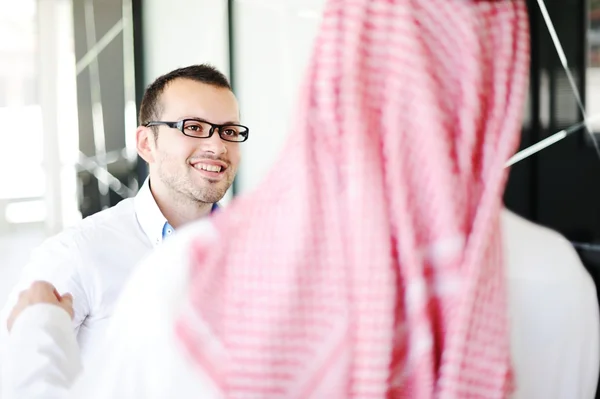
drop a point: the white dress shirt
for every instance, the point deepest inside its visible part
(92, 261)
(140, 358)
(553, 309)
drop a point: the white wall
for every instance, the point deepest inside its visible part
(179, 33)
(273, 40)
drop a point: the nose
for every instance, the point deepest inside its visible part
(213, 144)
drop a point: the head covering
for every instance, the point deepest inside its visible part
(368, 264)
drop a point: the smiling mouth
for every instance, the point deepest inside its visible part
(209, 168)
(212, 171)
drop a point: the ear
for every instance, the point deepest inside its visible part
(145, 142)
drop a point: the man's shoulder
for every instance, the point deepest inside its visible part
(552, 298)
(539, 252)
(99, 226)
(517, 228)
(115, 214)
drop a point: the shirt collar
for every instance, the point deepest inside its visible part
(153, 222)
(149, 215)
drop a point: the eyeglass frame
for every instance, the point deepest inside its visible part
(179, 125)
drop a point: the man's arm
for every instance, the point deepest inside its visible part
(56, 261)
(42, 355)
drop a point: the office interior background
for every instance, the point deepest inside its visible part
(72, 73)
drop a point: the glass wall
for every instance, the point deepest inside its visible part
(106, 102)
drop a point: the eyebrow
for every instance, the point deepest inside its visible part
(206, 120)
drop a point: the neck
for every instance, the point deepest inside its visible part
(177, 208)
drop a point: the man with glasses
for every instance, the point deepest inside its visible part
(190, 136)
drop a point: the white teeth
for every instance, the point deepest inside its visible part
(210, 168)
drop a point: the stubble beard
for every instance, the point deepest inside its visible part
(184, 188)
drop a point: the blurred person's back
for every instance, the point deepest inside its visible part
(553, 309)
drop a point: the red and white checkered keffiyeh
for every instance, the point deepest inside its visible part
(368, 264)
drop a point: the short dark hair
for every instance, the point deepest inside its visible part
(150, 109)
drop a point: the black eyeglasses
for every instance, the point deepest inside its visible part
(201, 129)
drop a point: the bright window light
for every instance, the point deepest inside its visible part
(26, 212)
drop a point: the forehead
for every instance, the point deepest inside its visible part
(186, 98)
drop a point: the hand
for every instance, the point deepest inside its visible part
(40, 292)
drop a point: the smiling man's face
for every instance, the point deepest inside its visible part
(201, 169)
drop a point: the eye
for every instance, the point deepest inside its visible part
(194, 127)
(230, 132)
